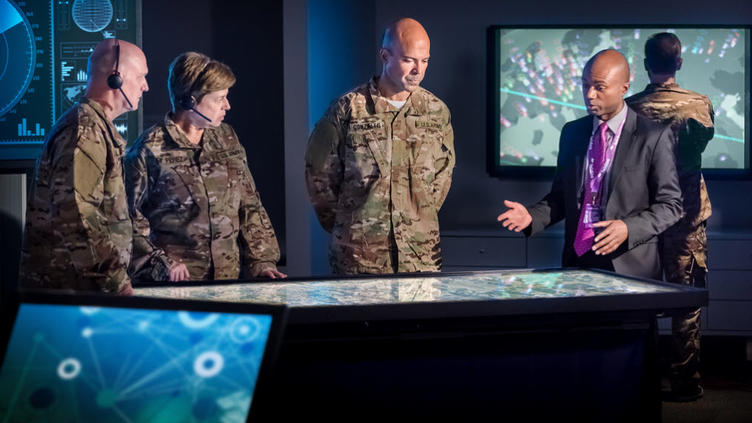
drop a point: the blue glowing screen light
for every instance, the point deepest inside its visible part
(17, 55)
(96, 364)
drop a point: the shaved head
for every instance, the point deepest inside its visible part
(102, 59)
(403, 32)
(610, 60)
(405, 50)
(605, 80)
(130, 62)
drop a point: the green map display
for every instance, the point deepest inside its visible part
(540, 78)
(491, 285)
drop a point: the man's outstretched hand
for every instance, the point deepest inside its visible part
(516, 218)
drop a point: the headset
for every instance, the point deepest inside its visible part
(188, 101)
(115, 81)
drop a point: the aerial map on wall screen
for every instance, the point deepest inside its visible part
(540, 78)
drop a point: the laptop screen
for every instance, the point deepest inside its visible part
(102, 363)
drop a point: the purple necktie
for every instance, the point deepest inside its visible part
(583, 239)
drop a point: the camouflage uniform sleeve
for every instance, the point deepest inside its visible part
(148, 262)
(259, 249)
(445, 164)
(699, 129)
(78, 194)
(323, 166)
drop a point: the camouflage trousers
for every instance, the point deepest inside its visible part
(684, 255)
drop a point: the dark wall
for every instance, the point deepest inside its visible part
(340, 57)
(457, 74)
(247, 36)
(166, 32)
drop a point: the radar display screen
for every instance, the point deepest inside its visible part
(44, 48)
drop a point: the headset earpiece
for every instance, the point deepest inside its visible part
(115, 81)
(187, 102)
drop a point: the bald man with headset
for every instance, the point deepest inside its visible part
(78, 232)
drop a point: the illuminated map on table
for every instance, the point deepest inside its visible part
(496, 285)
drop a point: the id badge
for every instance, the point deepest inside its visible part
(592, 215)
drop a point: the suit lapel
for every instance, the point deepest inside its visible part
(577, 144)
(626, 141)
(579, 150)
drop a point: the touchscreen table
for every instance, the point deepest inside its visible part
(445, 294)
(547, 343)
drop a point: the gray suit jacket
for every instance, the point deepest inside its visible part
(643, 191)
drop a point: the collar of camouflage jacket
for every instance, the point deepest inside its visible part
(211, 140)
(656, 87)
(178, 137)
(415, 104)
(99, 110)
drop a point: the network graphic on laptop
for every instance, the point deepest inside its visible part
(131, 365)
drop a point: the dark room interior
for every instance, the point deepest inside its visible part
(417, 351)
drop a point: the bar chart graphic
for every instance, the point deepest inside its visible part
(44, 50)
(24, 131)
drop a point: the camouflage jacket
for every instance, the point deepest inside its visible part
(377, 177)
(78, 232)
(691, 117)
(195, 204)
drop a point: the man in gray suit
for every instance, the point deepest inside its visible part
(616, 184)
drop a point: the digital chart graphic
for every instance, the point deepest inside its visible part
(90, 364)
(44, 49)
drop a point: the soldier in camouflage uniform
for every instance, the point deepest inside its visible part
(684, 245)
(78, 232)
(379, 164)
(195, 209)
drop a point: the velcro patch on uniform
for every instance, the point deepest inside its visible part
(172, 159)
(225, 155)
(366, 126)
(427, 124)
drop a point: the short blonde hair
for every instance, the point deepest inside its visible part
(195, 74)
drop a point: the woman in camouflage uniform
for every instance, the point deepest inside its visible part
(194, 205)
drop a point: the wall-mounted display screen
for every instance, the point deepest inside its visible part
(536, 77)
(44, 48)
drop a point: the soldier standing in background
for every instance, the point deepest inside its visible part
(196, 212)
(684, 245)
(78, 232)
(379, 164)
